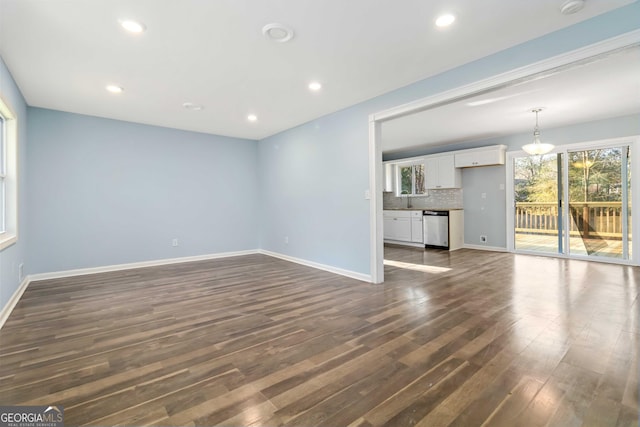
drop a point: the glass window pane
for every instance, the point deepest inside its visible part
(2, 147)
(595, 202)
(405, 180)
(420, 182)
(538, 219)
(3, 165)
(2, 206)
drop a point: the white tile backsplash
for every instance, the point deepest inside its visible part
(435, 199)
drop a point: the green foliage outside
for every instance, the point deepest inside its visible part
(594, 176)
(407, 176)
(405, 180)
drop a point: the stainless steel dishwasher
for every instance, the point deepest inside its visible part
(435, 227)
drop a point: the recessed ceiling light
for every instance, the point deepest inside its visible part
(571, 6)
(445, 20)
(252, 117)
(114, 88)
(315, 86)
(277, 32)
(133, 26)
(193, 107)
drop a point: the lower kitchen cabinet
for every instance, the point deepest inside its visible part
(407, 227)
(456, 229)
(397, 225)
(403, 226)
(417, 235)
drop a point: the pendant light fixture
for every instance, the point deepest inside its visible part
(537, 147)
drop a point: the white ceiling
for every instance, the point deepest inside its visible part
(62, 53)
(604, 88)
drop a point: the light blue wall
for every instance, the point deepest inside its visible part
(484, 215)
(105, 192)
(16, 254)
(314, 176)
(313, 192)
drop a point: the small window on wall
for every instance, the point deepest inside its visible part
(8, 177)
(411, 180)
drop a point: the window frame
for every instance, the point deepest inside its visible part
(3, 175)
(8, 177)
(412, 164)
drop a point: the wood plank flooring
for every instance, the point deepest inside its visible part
(466, 338)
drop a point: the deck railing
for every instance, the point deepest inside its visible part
(599, 218)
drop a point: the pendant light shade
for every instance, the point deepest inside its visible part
(537, 147)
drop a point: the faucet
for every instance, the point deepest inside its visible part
(408, 202)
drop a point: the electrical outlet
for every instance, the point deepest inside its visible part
(174, 242)
(286, 240)
(20, 271)
(483, 238)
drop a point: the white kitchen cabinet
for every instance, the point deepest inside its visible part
(485, 156)
(388, 176)
(397, 225)
(442, 173)
(456, 229)
(406, 227)
(403, 226)
(417, 235)
(393, 228)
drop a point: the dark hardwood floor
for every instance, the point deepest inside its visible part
(466, 338)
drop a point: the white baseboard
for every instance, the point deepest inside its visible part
(329, 268)
(485, 248)
(119, 267)
(13, 301)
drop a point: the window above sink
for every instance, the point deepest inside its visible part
(409, 178)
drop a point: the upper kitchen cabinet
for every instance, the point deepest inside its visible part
(441, 172)
(389, 176)
(484, 156)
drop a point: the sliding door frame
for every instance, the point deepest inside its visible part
(634, 143)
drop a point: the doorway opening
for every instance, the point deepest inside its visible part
(531, 73)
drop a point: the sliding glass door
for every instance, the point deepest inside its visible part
(599, 194)
(538, 203)
(575, 202)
